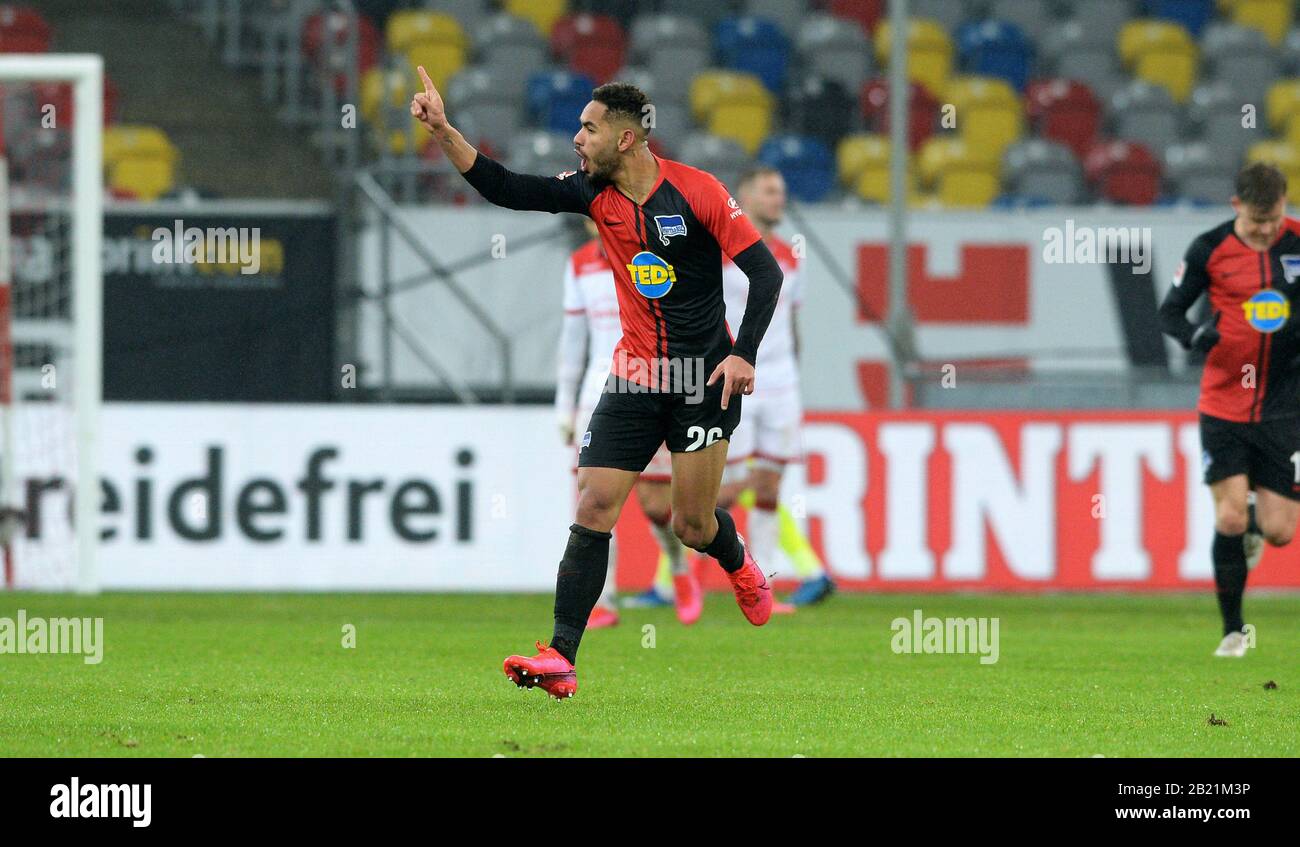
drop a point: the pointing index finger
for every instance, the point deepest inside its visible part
(428, 83)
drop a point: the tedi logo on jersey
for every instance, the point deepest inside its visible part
(651, 275)
(670, 225)
(1267, 311)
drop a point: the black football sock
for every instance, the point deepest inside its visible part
(578, 584)
(726, 546)
(1230, 578)
(1251, 524)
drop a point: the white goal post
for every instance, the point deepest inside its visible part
(84, 211)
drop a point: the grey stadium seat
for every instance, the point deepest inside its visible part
(1291, 52)
(722, 157)
(513, 47)
(1215, 112)
(1104, 16)
(673, 123)
(1146, 113)
(674, 49)
(1039, 168)
(1199, 172)
(494, 108)
(541, 152)
(787, 14)
(835, 49)
(1074, 51)
(1034, 17)
(950, 13)
(468, 13)
(1241, 57)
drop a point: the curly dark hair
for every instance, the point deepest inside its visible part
(1261, 185)
(624, 100)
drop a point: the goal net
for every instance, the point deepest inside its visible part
(51, 199)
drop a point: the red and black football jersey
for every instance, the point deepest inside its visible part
(1251, 374)
(666, 254)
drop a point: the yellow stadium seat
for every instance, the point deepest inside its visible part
(1286, 156)
(542, 13)
(136, 140)
(409, 27)
(1162, 53)
(872, 184)
(746, 123)
(391, 88)
(711, 88)
(1292, 133)
(962, 174)
(146, 177)
(857, 153)
(987, 109)
(442, 61)
(1271, 17)
(1283, 101)
(929, 52)
(968, 188)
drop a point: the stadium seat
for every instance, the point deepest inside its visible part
(997, 49)
(467, 13)
(949, 14)
(1283, 101)
(1045, 170)
(140, 160)
(1241, 57)
(866, 13)
(1123, 172)
(542, 152)
(858, 153)
(921, 111)
(806, 164)
(541, 13)
(1291, 52)
(1162, 53)
(1033, 17)
(789, 15)
(746, 122)
(674, 49)
(1271, 17)
(1073, 51)
(1215, 115)
(511, 46)
(408, 27)
(385, 104)
(1198, 172)
(819, 108)
(555, 99)
(835, 49)
(441, 60)
(721, 157)
(672, 123)
(929, 52)
(1064, 111)
(1147, 114)
(23, 30)
(962, 175)
(1192, 15)
(333, 28)
(594, 45)
(756, 46)
(989, 113)
(707, 13)
(1106, 17)
(623, 11)
(495, 112)
(711, 88)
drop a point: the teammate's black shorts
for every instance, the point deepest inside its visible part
(1263, 451)
(628, 425)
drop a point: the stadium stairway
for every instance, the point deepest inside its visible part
(228, 140)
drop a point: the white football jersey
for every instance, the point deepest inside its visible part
(589, 290)
(776, 365)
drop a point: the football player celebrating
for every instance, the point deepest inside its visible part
(1250, 388)
(665, 227)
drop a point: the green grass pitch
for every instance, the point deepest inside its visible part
(267, 675)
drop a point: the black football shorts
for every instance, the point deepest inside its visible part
(630, 423)
(1265, 451)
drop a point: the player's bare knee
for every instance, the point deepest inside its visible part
(597, 509)
(692, 530)
(1278, 536)
(1231, 519)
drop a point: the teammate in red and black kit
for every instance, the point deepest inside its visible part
(1250, 388)
(665, 227)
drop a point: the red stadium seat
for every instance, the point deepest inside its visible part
(59, 95)
(866, 12)
(1065, 111)
(922, 107)
(23, 30)
(334, 26)
(594, 45)
(1123, 172)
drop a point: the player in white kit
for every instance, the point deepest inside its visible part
(590, 332)
(769, 435)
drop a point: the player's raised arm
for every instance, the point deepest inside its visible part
(497, 184)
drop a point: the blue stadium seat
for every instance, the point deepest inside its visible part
(754, 45)
(1193, 14)
(806, 164)
(556, 98)
(995, 48)
(1017, 201)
